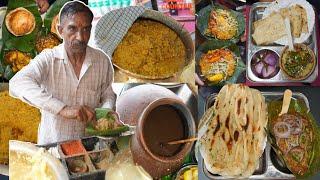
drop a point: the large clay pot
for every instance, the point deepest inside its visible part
(131, 104)
(158, 166)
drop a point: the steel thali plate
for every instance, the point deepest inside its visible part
(269, 166)
(256, 13)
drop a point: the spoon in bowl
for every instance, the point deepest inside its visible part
(289, 36)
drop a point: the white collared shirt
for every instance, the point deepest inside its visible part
(50, 83)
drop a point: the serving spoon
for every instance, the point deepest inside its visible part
(289, 36)
(286, 101)
(182, 141)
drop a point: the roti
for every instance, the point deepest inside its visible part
(294, 13)
(304, 28)
(269, 29)
(272, 28)
(232, 139)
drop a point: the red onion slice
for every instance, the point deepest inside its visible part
(284, 126)
(296, 125)
(268, 71)
(271, 59)
(259, 67)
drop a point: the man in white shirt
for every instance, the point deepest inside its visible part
(67, 82)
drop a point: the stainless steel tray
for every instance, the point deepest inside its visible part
(256, 12)
(269, 166)
(92, 145)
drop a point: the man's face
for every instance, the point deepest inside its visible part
(75, 31)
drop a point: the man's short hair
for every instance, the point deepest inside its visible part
(73, 7)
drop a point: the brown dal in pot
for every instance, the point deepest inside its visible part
(164, 124)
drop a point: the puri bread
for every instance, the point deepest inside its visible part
(20, 21)
(232, 139)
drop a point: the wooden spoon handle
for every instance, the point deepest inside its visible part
(286, 101)
(183, 141)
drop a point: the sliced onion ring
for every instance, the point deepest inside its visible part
(258, 68)
(284, 134)
(268, 71)
(271, 59)
(296, 126)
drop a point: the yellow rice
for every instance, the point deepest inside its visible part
(151, 49)
(18, 121)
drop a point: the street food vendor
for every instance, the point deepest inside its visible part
(67, 82)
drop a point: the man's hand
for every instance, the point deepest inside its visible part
(81, 113)
(43, 5)
(91, 115)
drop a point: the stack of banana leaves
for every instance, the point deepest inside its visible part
(25, 34)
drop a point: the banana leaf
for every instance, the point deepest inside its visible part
(105, 113)
(215, 44)
(203, 19)
(42, 32)
(7, 69)
(1, 62)
(296, 106)
(52, 12)
(8, 73)
(90, 130)
(22, 43)
(1, 70)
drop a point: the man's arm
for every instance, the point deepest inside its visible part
(25, 85)
(108, 97)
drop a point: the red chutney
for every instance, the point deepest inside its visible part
(72, 148)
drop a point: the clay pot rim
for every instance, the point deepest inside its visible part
(186, 147)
